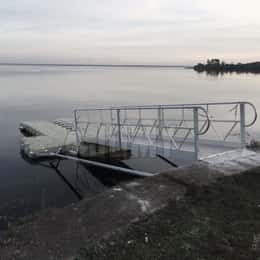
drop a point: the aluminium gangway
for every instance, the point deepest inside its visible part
(176, 132)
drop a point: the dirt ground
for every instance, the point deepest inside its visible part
(219, 221)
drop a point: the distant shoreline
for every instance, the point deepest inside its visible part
(94, 65)
(215, 67)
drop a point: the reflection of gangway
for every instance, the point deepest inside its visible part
(178, 133)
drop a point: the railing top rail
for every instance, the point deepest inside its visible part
(194, 104)
(229, 103)
(214, 103)
(141, 108)
(179, 106)
(173, 107)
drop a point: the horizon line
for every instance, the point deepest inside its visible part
(92, 65)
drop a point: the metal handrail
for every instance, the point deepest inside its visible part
(202, 120)
(139, 107)
(192, 105)
(132, 108)
(255, 112)
(159, 123)
(207, 104)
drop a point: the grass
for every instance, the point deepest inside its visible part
(220, 221)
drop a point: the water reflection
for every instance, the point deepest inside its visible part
(216, 73)
(82, 180)
(70, 182)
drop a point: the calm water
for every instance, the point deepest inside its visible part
(46, 92)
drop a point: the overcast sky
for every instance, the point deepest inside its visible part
(129, 31)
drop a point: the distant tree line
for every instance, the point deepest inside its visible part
(215, 66)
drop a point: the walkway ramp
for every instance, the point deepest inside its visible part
(181, 133)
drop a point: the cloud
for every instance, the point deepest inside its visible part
(139, 31)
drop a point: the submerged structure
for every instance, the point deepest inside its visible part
(144, 140)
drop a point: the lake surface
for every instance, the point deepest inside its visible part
(49, 92)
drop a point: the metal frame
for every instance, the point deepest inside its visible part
(241, 105)
(117, 129)
(155, 132)
(158, 130)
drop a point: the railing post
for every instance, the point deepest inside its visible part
(119, 129)
(76, 130)
(242, 125)
(196, 132)
(159, 124)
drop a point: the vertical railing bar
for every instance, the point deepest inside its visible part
(242, 125)
(119, 129)
(196, 132)
(162, 124)
(76, 130)
(159, 131)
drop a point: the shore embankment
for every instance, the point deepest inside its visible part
(152, 218)
(217, 221)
